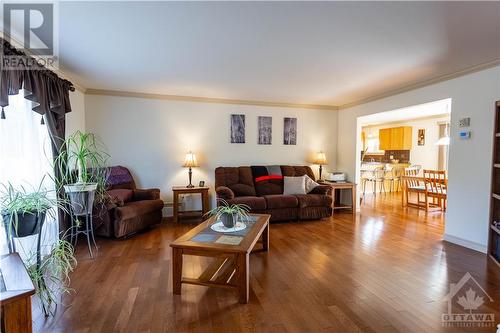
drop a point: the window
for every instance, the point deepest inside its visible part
(372, 143)
(25, 160)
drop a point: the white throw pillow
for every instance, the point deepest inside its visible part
(310, 184)
(294, 185)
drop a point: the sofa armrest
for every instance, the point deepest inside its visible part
(322, 189)
(147, 194)
(224, 192)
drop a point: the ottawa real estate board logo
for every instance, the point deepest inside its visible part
(466, 302)
(32, 28)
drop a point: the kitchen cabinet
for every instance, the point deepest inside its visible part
(395, 138)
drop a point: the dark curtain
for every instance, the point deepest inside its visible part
(48, 92)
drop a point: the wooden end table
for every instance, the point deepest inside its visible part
(340, 187)
(230, 268)
(15, 295)
(179, 190)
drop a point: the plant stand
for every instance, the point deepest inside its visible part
(82, 204)
(88, 231)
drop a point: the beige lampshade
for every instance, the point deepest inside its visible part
(190, 160)
(320, 158)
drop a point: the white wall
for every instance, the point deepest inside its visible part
(474, 96)
(151, 137)
(427, 155)
(75, 120)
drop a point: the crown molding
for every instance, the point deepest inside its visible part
(421, 84)
(209, 99)
(16, 43)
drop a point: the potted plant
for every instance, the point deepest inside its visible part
(83, 160)
(51, 276)
(229, 214)
(23, 213)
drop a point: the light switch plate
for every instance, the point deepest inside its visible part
(464, 122)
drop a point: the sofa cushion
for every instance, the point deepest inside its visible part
(294, 185)
(310, 184)
(238, 179)
(281, 201)
(146, 194)
(255, 203)
(137, 208)
(120, 196)
(314, 200)
(296, 171)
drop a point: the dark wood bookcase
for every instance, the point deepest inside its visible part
(494, 231)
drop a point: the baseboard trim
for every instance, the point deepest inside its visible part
(466, 243)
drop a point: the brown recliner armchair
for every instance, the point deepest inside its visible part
(130, 209)
(238, 185)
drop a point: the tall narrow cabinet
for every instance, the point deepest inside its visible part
(494, 229)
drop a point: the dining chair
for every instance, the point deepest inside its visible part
(393, 176)
(416, 167)
(373, 176)
(436, 189)
(413, 184)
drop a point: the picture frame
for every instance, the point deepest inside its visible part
(289, 131)
(237, 128)
(421, 137)
(265, 130)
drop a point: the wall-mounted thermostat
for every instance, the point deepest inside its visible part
(464, 134)
(464, 122)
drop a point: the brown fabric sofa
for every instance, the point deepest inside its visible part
(237, 185)
(130, 209)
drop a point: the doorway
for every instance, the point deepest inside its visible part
(391, 143)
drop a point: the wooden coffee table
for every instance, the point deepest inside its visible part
(230, 268)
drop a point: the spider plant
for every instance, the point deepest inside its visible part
(82, 152)
(229, 213)
(51, 276)
(83, 163)
(23, 212)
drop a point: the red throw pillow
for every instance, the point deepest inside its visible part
(121, 196)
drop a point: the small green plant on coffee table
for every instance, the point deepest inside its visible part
(224, 209)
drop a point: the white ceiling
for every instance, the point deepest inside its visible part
(329, 53)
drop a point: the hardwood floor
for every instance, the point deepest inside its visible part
(386, 271)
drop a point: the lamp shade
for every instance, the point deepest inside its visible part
(190, 160)
(320, 158)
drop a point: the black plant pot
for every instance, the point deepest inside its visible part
(228, 220)
(27, 224)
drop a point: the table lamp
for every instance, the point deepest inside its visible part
(320, 160)
(190, 162)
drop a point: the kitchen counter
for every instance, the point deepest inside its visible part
(370, 166)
